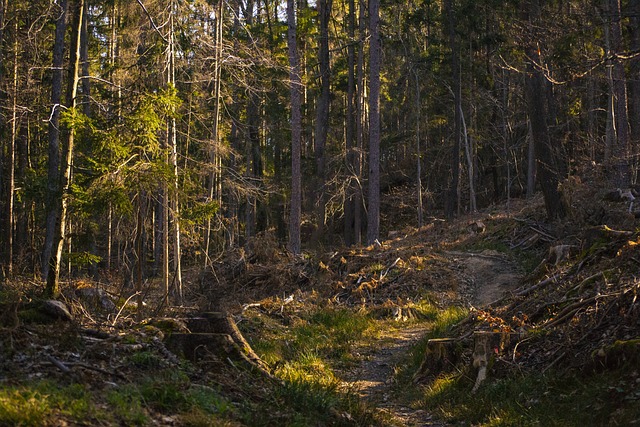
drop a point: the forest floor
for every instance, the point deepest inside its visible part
(488, 276)
(344, 336)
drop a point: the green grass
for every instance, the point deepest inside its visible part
(305, 356)
(441, 321)
(533, 400)
(327, 333)
(46, 403)
(41, 403)
(127, 405)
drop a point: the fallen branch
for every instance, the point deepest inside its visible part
(527, 291)
(569, 311)
(58, 364)
(96, 369)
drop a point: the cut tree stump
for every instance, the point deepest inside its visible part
(216, 333)
(443, 354)
(440, 354)
(486, 345)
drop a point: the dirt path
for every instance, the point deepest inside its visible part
(485, 277)
(374, 378)
(488, 275)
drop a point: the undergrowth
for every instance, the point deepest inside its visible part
(609, 398)
(306, 356)
(45, 402)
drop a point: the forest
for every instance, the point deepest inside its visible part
(317, 158)
(163, 133)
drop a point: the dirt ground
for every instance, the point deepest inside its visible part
(485, 277)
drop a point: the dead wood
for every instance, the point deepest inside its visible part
(215, 333)
(526, 291)
(441, 354)
(58, 364)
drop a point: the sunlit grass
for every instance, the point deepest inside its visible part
(306, 355)
(39, 403)
(535, 400)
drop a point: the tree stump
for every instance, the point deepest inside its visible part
(486, 345)
(215, 333)
(440, 355)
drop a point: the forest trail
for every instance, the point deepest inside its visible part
(485, 276)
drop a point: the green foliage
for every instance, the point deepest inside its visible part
(127, 405)
(40, 403)
(169, 393)
(146, 360)
(82, 259)
(200, 211)
(446, 319)
(533, 399)
(305, 356)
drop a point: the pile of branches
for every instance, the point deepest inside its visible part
(579, 309)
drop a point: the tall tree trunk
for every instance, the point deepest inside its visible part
(53, 278)
(620, 175)
(296, 132)
(11, 157)
(322, 113)
(173, 163)
(361, 121)
(215, 156)
(86, 110)
(53, 174)
(468, 149)
(84, 59)
(537, 106)
(373, 213)
(349, 203)
(418, 155)
(634, 87)
(452, 197)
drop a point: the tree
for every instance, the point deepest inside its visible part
(53, 181)
(373, 213)
(453, 196)
(547, 169)
(322, 113)
(619, 161)
(64, 178)
(296, 131)
(11, 154)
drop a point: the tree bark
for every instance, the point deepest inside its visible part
(11, 166)
(452, 196)
(53, 277)
(322, 113)
(296, 132)
(546, 167)
(619, 173)
(634, 84)
(418, 155)
(361, 128)
(350, 198)
(53, 174)
(373, 213)
(215, 156)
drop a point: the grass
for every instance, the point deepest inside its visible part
(328, 333)
(40, 403)
(44, 403)
(306, 356)
(554, 399)
(532, 399)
